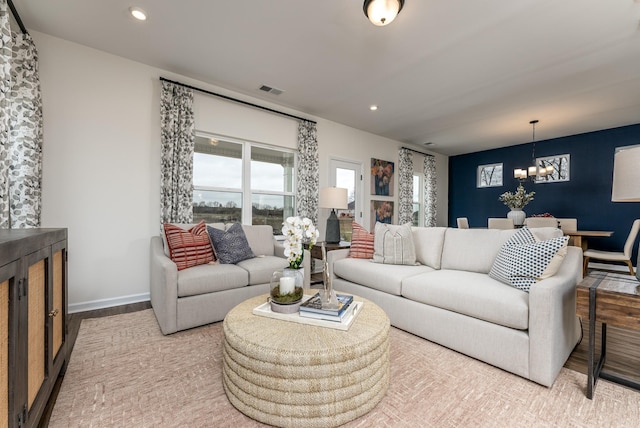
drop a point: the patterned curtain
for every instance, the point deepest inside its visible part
(308, 180)
(405, 177)
(5, 106)
(25, 139)
(430, 195)
(176, 157)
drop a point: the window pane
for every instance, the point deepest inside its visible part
(415, 219)
(416, 188)
(217, 207)
(271, 170)
(346, 178)
(217, 164)
(271, 210)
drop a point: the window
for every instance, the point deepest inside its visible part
(417, 219)
(490, 175)
(347, 174)
(229, 176)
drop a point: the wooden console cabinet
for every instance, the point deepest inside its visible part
(33, 321)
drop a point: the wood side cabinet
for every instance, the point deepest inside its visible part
(33, 321)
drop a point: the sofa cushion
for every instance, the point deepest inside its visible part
(361, 242)
(210, 278)
(393, 244)
(472, 294)
(261, 268)
(521, 264)
(231, 245)
(387, 278)
(428, 242)
(260, 238)
(472, 250)
(188, 248)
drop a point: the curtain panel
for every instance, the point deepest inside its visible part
(430, 194)
(20, 128)
(176, 156)
(405, 177)
(308, 180)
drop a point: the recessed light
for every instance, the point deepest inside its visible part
(373, 107)
(138, 13)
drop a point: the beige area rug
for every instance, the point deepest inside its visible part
(124, 373)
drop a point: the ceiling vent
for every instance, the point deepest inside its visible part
(271, 90)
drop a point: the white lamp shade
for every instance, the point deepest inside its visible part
(382, 12)
(333, 198)
(626, 175)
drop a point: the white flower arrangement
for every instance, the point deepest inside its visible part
(298, 231)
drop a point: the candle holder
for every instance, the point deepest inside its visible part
(286, 291)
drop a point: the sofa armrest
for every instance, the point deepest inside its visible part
(334, 256)
(278, 248)
(553, 324)
(163, 287)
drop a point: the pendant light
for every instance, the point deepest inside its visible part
(382, 12)
(534, 171)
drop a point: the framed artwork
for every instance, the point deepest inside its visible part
(381, 211)
(558, 168)
(381, 177)
(490, 175)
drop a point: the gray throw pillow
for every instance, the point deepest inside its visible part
(231, 245)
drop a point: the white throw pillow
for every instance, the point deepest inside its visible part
(393, 244)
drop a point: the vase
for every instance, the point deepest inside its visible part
(517, 215)
(298, 274)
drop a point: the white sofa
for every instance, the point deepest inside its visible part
(204, 294)
(450, 299)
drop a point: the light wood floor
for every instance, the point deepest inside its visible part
(623, 348)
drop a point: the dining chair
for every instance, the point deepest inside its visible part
(463, 223)
(533, 222)
(612, 256)
(568, 224)
(500, 223)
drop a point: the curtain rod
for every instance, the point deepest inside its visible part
(236, 100)
(416, 151)
(14, 12)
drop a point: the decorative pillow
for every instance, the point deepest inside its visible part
(393, 244)
(361, 243)
(522, 260)
(188, 248)
(231, 245)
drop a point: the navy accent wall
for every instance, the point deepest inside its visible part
(587, 196)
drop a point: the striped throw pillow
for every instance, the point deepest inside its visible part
(361, 243)
(189, 248)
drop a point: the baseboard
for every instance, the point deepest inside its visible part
(108, 303)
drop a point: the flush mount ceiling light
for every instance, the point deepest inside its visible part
(373, 107)
(138, 13)
(382, 12)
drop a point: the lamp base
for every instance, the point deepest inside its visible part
(332, 233)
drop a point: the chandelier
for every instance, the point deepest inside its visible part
(534, 171)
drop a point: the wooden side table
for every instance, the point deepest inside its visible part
(316, 253)
(608, 298)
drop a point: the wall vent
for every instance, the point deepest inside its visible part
(271, 90)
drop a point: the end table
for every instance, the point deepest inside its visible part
(316, 253)
(608, 298)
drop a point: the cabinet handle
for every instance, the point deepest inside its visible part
(53, 313)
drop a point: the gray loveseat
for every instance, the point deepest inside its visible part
(204, 294)
(450, 299)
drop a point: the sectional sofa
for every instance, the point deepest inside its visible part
(450, 299)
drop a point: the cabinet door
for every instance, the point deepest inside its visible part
(8, 316)
(58, 311)
(37, 294)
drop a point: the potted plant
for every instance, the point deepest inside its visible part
(516, 202)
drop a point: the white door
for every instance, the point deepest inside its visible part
(348, 174)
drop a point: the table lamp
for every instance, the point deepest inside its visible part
(334, 198)
(626, 180)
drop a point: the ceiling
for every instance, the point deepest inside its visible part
(464, 75)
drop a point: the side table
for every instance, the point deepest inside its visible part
(316, 253)
(608, 298)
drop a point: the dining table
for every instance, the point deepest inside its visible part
(579, 238)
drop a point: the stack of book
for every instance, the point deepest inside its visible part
(312, 308)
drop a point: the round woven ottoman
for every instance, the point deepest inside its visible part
(295, 375)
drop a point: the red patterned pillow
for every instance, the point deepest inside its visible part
(189, 248)
(361, 243)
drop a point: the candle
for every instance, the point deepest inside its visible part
(287, 285)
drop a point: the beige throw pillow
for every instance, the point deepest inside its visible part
(393, 244)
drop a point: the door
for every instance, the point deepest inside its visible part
(348, 174)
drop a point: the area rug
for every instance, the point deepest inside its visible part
(124, 373)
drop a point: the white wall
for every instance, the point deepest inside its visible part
(101, 161)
